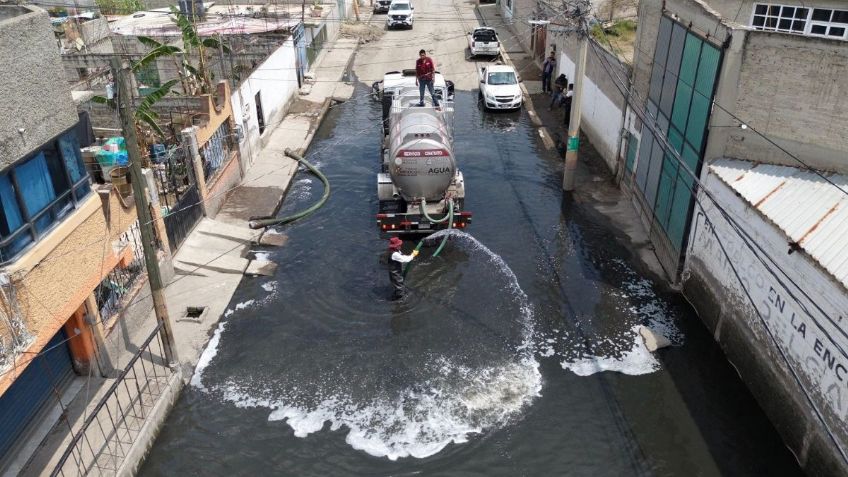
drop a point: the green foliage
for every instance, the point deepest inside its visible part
(154, 54)
(119, 7)
(103, 100)
(189, 73)
(144, 112)
(618, 28)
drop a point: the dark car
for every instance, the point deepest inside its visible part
(382, 6)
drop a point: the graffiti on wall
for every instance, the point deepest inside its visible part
(805, 325)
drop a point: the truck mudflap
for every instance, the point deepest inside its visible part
(418, 224)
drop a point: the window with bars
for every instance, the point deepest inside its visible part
(801, 20)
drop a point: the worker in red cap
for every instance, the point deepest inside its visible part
(396, 266)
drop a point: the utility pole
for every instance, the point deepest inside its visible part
(570, 169)
(125, 111)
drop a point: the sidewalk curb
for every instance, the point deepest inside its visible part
(319, 119)
(544, 133)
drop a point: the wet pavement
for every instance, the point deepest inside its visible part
(515, 353)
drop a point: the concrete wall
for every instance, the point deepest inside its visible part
(808, 330)
(276, 81)
(34, 97)
(793, 90)
(219, 111)
(517, 16)
(333, 21)
(768, 81)
(56, 276)
(603, 101)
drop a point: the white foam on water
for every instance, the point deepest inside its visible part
(421, 420)
(206, 357)
(270, 287)
(424, 418)
(635, 361)
(262, 256)
(244, 304)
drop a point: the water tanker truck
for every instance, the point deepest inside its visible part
(419, 187)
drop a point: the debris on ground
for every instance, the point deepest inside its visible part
(653, 339)
(365, 32)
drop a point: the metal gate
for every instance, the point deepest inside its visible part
(538, 39)
(302, 63)
(37, 385)
(179, 196)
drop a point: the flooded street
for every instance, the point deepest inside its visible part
(516, 352)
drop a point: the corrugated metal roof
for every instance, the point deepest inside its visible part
(809, 210)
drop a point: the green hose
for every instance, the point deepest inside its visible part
(447, 233)
(449, 216)
(260, 223)
(431, 219)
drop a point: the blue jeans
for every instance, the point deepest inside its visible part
(546, 82)
(556, 99)
(422, 83)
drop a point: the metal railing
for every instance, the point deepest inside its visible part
(110, 430)
(216, 151)
(111, 293)
(174, 175)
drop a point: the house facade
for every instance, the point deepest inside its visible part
(61, 238)
(735, 158)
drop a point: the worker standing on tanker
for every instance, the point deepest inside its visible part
(396, 262)
(425, 74)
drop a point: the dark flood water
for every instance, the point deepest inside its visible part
(515, 354)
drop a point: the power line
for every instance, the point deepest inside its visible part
(668, 149)
(643, 113)
(742, 122)
(107, 229)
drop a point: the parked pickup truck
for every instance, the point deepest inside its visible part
(382, 6)
(483, 41)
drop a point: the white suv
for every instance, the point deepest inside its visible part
(400, 14)
(499, 88)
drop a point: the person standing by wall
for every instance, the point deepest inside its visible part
(559, 91)
(425, 74)
(548, 68)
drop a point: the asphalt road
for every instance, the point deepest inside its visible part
(515, 354)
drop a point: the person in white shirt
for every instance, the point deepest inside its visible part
(569, 96)
(396, 263)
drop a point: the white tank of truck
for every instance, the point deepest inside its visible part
(421, 162)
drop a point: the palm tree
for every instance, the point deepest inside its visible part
(194, 80)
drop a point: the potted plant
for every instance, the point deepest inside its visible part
(317, 8)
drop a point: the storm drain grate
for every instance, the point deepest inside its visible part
(194, 311)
